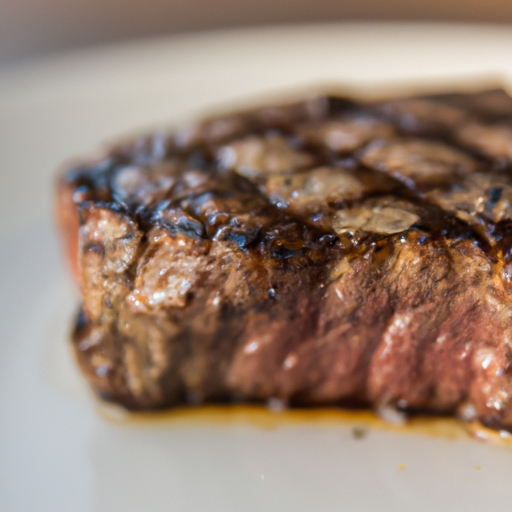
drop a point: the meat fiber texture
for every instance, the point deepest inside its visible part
(328, 252)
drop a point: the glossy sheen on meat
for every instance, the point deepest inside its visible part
(328, 252)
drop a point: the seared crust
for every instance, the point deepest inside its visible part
(327, 252)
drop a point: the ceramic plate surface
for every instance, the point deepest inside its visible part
(57, 453)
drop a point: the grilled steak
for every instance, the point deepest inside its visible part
(333, 251)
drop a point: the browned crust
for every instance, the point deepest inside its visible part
(326, 252)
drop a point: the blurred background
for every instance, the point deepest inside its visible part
(32, 28)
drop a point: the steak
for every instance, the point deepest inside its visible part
(330, 252)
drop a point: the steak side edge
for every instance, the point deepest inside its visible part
(328, 252)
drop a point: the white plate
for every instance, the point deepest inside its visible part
(56, 452)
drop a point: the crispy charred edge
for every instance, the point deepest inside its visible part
(93, 182)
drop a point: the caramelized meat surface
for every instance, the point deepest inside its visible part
(328, 252)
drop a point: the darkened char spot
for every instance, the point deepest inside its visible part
(128, 236)
(145, 216)
(242, 239)
(281, 251)
(339, 105)
(98, 174)
(97, 248)
(96, 178)
(421, 227)
(503, 236)
(190, 227)
(81, 194)
(108, 205)
(202, 197)
(328, 239)
(244, 236)
(186, 225)
(197, 160)
(494, 195)
(81, 321)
